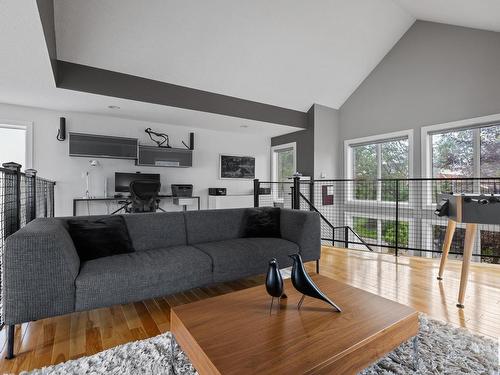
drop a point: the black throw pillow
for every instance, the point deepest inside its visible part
(100, 237)
(263, 222)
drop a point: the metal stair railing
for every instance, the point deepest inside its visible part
(346, 228)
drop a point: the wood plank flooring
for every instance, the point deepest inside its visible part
(408, 280)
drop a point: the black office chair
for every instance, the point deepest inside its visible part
(143, 197)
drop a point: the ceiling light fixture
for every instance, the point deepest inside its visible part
(113, 107)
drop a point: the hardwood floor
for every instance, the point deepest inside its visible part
(408, 280)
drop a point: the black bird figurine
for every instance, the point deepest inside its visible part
(304, 284)
(274, 282)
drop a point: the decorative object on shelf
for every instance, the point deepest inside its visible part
(61, 132)
(274, 283)
(305, 285)
(163, 137)
(236, 167)
(191, 142)
(217, 191)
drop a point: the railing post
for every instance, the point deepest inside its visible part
(296, 193)
(397, 220)
(30, 194)
(311, 194)
(45, 200)
(12, 208)
(51, 197)
(256, 186)
(346, 237)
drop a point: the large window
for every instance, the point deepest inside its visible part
(15, 144)
(385, 157)
(469, 152)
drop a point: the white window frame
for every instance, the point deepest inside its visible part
(27, 126)
(426, 146)
(427, 131)
(274, 150)
(380, 138)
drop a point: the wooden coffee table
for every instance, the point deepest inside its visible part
(235, 334)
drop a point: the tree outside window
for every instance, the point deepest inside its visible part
(382, 160)
(365, 168)
(472, 152)
(490, 151)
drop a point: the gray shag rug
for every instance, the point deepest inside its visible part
(443, 349)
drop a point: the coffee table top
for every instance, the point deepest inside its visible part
(234, 333)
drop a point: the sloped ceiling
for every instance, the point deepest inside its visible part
(477, 14)
(287, 53)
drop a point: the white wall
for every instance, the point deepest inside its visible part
(326, 142)
(435, 74)
(51, 158)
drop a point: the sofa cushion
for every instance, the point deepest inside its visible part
(263, 222)
(95, 238)
(141, 275)
(156, 230)
(241, 257)
(214, 225)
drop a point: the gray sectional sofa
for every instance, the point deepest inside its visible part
(175, 251)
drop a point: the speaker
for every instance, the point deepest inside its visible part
(191, 141)
(61, 133)
(217, 191)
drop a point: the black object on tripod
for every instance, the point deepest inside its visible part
(163, 138)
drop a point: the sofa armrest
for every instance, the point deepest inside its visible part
(40, 265)
(303, 228)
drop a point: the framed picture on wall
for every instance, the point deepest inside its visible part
(236, 167)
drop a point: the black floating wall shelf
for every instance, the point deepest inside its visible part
(153, 156)
(102, 146)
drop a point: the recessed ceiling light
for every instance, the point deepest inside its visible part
(243, 126)
(113, 107)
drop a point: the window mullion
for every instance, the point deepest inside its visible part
(477, 152)
(379, 171)
(476, 139)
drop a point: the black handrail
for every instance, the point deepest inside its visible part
(311, 206)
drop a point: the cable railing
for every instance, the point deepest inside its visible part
(394, 216)
(23, 197)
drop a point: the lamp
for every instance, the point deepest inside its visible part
(92, 165)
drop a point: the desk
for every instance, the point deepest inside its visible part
(230, 201)
(181, 201)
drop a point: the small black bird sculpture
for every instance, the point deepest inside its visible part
(304, 284)
(274, 282)
(163, 137)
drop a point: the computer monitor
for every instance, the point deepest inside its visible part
(123, 180)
